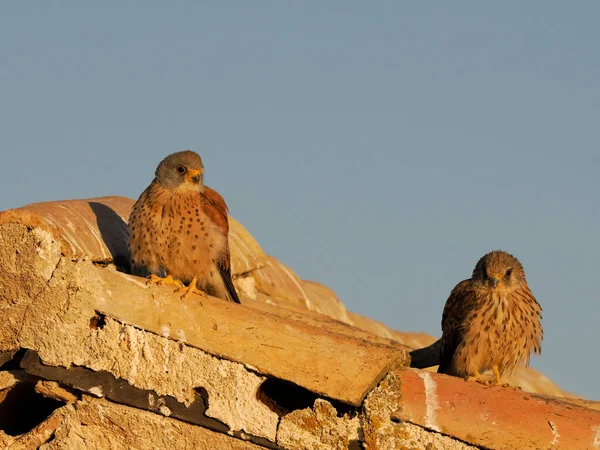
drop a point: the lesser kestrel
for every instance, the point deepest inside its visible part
(491, 321)
(179, 230)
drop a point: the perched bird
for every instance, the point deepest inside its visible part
(178, 231)
(491, 321)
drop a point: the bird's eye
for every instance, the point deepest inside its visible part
(181, 169)
(508, 273)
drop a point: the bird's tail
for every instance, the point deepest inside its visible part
(230, 291)
(429, 356)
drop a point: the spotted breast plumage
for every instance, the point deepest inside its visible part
(179, 228)
(490, 321)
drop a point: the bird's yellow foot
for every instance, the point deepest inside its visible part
(190, 289)
(167, 281)
(477, 378)
(497, 380)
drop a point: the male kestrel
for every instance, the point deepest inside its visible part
(491, 321)
(179, 230)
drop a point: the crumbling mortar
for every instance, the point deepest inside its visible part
(37, 296)
(277, 428)
(174, 339)
(250, 437)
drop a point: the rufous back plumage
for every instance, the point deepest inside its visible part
(179, 227)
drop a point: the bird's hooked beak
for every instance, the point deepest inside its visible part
(495, 279)
(194, 175)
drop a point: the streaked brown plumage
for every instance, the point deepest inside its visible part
(179, 230)
(491, 321)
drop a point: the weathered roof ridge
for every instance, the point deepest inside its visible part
(286, 369)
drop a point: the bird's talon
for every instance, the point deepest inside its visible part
(477, 379)
(190, 289)
(152, 279)
(159, 281)
(187, 291)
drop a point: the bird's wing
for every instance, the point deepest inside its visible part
(459, 303)
(216, 209)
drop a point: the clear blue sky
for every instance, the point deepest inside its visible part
(378, 147)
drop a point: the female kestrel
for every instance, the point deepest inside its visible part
(179, 231)
(491, 321)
